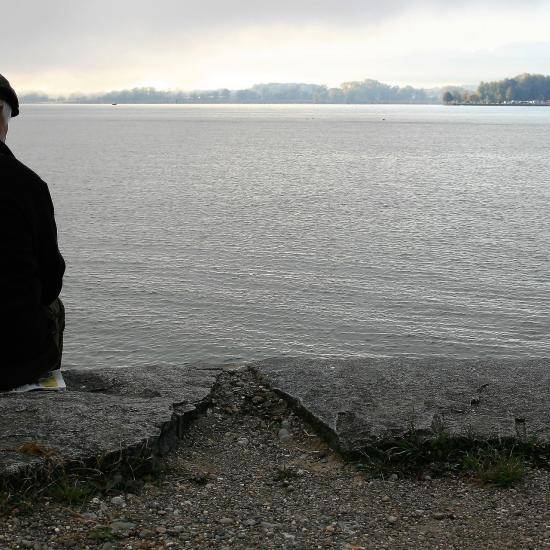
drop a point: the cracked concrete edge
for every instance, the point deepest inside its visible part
(163, 437)
(353, 429)
(126, 457)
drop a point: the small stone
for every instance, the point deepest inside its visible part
(26, 544)
(284, 434)
(122, 527)
(250, 522)
(176, 529)
(242, 441)
(268, 526)
(385, 498)
(118, 501)
(226, 521)
(443, 515)
(393, 477)
(285, 425)
(391, 519)
(121, 524)
(89, 516)
(161, 530)
(346, 527)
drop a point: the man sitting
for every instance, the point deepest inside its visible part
(31, 266)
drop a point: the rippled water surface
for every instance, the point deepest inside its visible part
(239, 232)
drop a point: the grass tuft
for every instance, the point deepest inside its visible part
(101, 534)
(77, 482)
(500, 463)
(71, 492)
(496, 467)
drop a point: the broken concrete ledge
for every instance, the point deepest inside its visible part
(359, 404)
(107, 416)
(131, 414)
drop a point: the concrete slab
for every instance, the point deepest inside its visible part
(106, 413)
(363, 402)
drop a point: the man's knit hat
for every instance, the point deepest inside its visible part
(7, 93)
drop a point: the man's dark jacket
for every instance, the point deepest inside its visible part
(31, 273)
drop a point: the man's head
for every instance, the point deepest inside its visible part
(9, 106)
(5, 116)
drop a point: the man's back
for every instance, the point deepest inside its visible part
(31, 274)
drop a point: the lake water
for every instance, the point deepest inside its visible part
(223, 233)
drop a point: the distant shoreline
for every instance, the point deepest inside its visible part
(293, 103)
(207, 103)
(497, 104)
(524, 89)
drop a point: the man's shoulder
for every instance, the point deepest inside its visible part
(18, 179)
(13, 167)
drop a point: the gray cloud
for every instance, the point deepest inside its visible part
(97, 35)
(56, 20)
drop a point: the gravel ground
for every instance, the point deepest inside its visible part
(251, 475)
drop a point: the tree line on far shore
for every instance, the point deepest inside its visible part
(525, 88)
(366, 91)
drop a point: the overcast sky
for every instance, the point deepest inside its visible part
(99, 45)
